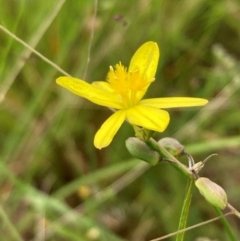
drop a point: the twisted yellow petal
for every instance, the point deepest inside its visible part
(103, 85)
(148, 117)
(173, 102)
(90, 92)
(145, 60)
(108, 129)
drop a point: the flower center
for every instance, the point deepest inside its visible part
(131, 86)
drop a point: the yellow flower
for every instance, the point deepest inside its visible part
(124, 90)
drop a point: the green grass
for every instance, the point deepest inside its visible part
(47, 155)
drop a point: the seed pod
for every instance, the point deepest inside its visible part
(212, 192)
(140, 149)
(172, 145)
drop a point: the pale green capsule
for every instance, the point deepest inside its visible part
(140, 150)
(172, 145)
(212, 192)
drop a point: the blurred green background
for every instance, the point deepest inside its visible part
(54, 184)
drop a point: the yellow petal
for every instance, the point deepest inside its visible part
(103, 85)
(108, 129)
(145, 60)
(173, 102)
(90, 92)
(148, 117)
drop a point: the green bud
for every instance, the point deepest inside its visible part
(212, 192)
(142, 151)
(172, 145)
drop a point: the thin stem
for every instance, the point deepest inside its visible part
(165, 154)
(33, 50)
(91, 37)
(226, 225)
(30, 47)
(234, 210)
(192, 227)
(185, 210)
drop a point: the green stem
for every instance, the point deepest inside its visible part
(191, 178)
(234, 210)
(185, 210)
(165, 154)
(226, 225)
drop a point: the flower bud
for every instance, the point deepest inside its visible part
(212, 192)
(142, 151)
(172, 145)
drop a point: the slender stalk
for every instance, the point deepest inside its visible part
(165, 154)
(185, 210)
(33, 50)
(234, 210)
(226, 225)
(192, 227)
(191, 178)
